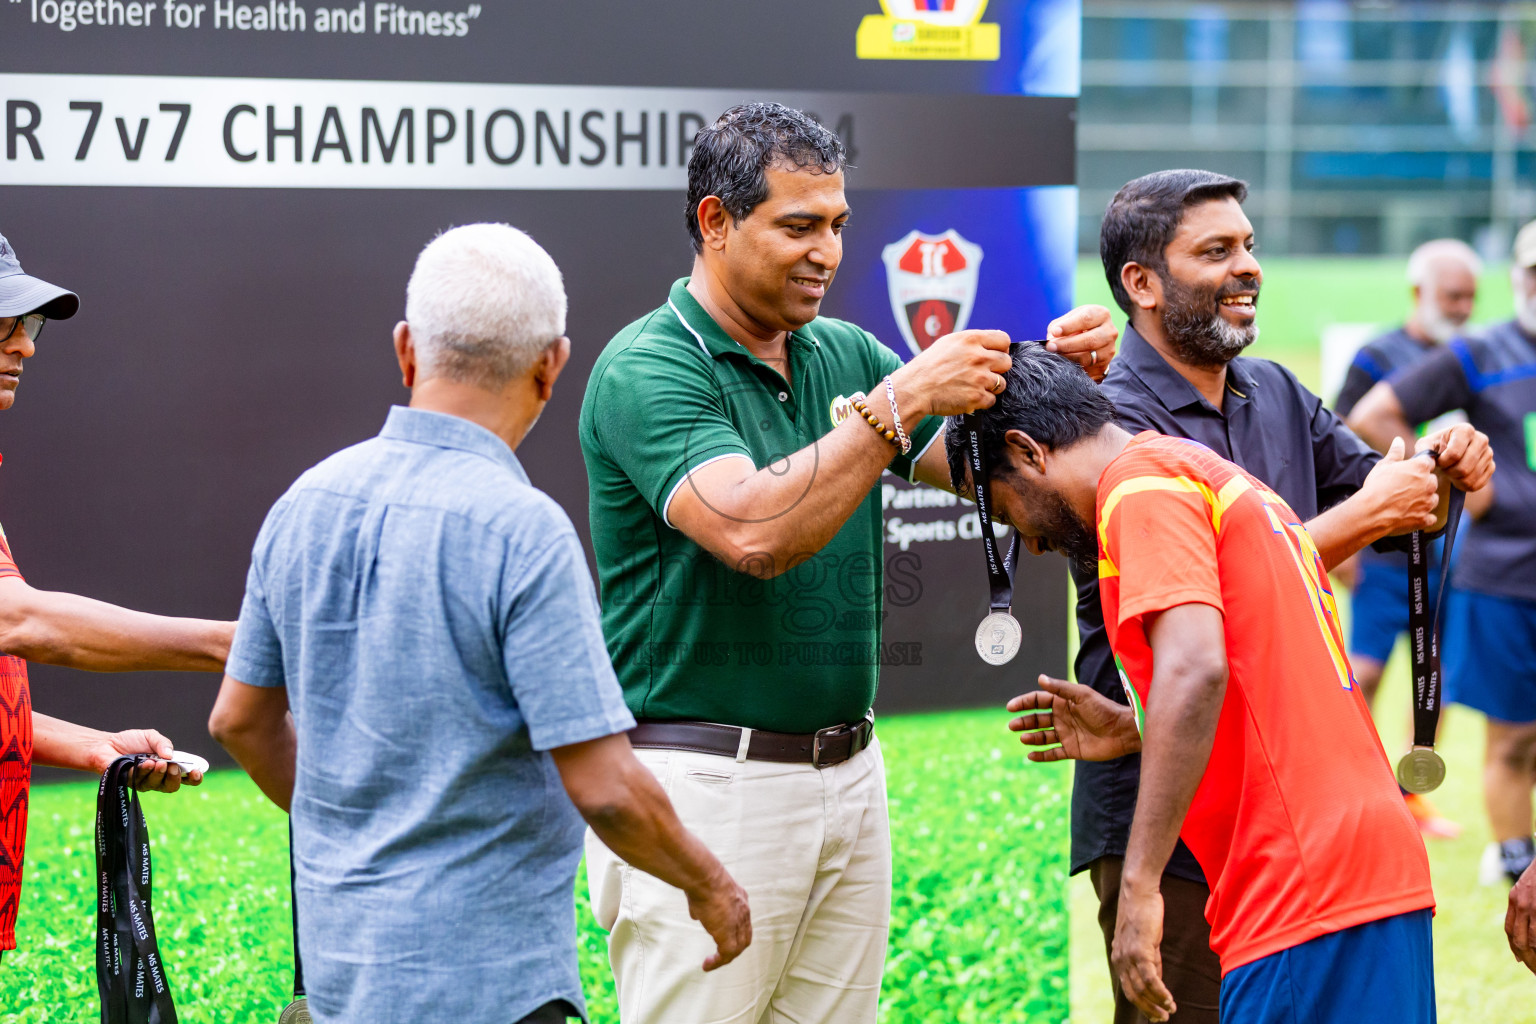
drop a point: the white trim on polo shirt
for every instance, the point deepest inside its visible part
(696, 337)
(666, 506)
(914, 459)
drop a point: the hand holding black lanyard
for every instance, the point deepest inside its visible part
(1421, 769)
(999, 636)
(130, 973)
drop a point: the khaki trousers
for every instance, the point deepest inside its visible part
(811, 847)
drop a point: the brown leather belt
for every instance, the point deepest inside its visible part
(823, 748)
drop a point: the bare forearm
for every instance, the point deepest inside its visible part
(1347, 527)
(60, 744)
(639, 825)
(78, 632)
(1378, 418)
(1180, 729)
(789, 510)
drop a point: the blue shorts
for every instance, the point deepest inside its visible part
(1380, 971)
(1488, 652)
(1378, 608)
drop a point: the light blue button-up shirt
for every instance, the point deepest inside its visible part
(433, 619)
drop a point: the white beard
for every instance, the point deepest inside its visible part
(1434, 323)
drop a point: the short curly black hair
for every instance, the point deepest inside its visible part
(731, 157)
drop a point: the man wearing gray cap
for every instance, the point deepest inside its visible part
(63, 629)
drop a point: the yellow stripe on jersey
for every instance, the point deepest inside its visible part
(1324, 608)
(1218, 503)
(1141, 484)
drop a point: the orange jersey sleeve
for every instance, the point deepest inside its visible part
(1156, 536)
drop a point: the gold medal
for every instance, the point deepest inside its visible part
(296, 1012)
(1420, 770)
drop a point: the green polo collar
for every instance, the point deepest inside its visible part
(711, 337)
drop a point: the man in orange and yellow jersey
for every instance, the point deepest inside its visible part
(1257, 747)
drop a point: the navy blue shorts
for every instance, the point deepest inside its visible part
(1380, 971)
(1378, 608)
(1488, 651)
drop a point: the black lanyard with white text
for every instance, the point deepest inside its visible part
(1421, 769)
(130, 973)
(296, 1012)
(999, 635)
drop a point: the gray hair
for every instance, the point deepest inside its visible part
(1422, 261)
(484, 303)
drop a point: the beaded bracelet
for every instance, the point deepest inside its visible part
(857, 401)
(901, 434)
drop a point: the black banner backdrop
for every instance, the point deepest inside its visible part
(241, 253)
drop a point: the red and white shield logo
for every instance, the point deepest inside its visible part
(932, 282)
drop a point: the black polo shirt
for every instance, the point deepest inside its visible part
(1275, 429)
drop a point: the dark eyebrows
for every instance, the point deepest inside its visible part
(1220, 238)
(812, 218)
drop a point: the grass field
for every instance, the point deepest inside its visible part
(979, 920)
(980, 910)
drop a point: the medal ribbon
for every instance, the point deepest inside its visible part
(1424, 625)
(130, 974)
(999, 568)
(293, 891)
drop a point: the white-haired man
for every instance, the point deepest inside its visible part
(428, 616)
(1443, 276)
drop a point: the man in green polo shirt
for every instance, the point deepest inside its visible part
(732, 456)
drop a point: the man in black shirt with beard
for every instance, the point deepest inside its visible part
(1177, 250)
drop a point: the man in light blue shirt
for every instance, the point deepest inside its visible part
(428, 616)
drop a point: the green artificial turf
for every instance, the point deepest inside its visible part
(979, 926)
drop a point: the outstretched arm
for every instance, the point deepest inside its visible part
(60, 744)
(764, 521)
(78, 632)
(1399, 495)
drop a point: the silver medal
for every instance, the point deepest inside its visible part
(998, 638)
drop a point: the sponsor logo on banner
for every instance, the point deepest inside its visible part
(928, 30)
(932, 284)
